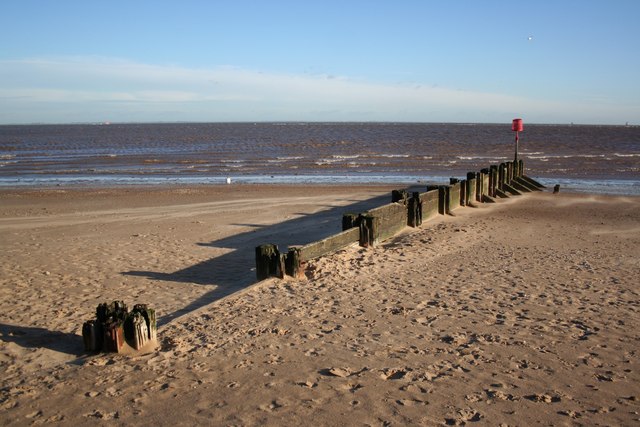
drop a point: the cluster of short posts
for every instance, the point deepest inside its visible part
(115, 327)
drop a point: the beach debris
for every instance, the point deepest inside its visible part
(115, 328)
(556, 189)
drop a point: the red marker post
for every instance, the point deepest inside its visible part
(517, 126)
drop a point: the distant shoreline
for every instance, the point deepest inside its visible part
(284, 122)
(620, 187)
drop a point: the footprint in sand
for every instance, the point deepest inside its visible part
(411, 402)
(463, 416)
(341, 372)
(36, 414)
(497, 394)
(353, 387)
(393, 373)
(337, 372)
(571, 414)
(103, 415)
(543, 398)
(307, 384)
(273, 406)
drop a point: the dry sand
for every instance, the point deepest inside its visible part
(522, 312)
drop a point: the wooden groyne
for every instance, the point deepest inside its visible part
(372, 227)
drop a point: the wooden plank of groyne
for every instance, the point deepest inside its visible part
(329, 244)
(429, 204)
(385, 221)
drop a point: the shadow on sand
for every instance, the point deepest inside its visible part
(33, 337)
(235, 270)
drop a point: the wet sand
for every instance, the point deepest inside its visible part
(515, 313)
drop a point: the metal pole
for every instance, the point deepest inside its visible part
(515, 157)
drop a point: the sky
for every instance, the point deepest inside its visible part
(472, 61)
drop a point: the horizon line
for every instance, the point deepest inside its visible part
(152, 122)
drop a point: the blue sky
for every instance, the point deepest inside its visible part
(426, 61)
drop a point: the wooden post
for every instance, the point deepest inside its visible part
(267, 261)
(293, 263)
(136, 331)
(368, 230)
(349, 220)
(113, 336)
(399, 196)
(471, 188)
(415, 210)
(92, 335)
(479, 188)
(149, 315)
(463, 192)
(443, 199)
(493, 180)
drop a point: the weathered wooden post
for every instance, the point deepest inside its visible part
(471, 188)
(520, 168)
(443, 199)
(369, 230)
(92, 335)
(486, 188)
(293, 263)
(415, 210)
(149, 315)
(349, 220)
(399, 196)
(267, 261)
(463, 192)
(113, 335)
(136, 331)
(479, 189)
(493, 180)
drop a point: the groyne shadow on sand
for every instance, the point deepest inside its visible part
(35, 337)
(235, 270)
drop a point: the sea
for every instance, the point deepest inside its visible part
(581, 158)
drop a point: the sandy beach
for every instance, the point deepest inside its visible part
(523, 312)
